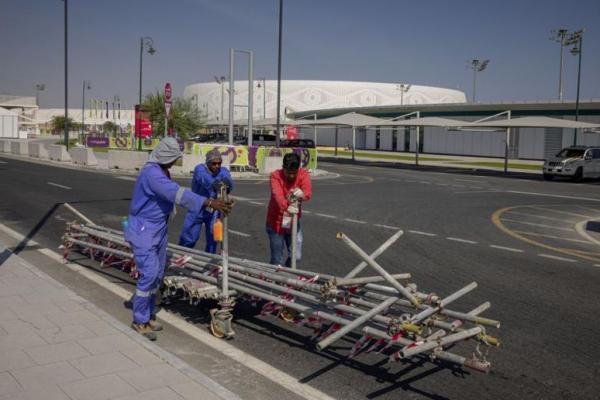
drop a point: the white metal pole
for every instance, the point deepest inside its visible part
(418, 142)
(231, 94)
(250, 95)
(353, 141)
(315, 128)
(506, 147)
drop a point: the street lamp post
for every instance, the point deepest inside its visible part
(148, 43)
(560, 35)
(477, 66)
(264, 88)
(86, 85)
(66, 77)
(576, 39)
(279, 71)
(221, 80)
(403, 88)
(39, 87)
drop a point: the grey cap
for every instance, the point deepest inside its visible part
(166, 151)
(213, 155)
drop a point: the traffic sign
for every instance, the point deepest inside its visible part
(168, 92)
(168, 108)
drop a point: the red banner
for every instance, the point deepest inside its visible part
(291, 132)
(143, 124)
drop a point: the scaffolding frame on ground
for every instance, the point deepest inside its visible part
(396, 319)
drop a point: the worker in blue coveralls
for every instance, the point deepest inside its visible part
(206, 183)
(154, 196)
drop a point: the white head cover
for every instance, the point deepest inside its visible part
(166, 151)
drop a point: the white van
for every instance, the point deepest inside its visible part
(575, 162)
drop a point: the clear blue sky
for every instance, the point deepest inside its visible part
(420, 42)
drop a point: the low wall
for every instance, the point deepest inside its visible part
(128, 160)
(190, 161)
(19, 147)
(5, 146)
(83, 156)
(38, 150)
(58, 152)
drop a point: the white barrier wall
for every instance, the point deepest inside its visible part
(19, 147)
(128, 160)
(270, 164)
(190, 161)
(38, 150)
(5, 146)
(58, 152)
(83, 156)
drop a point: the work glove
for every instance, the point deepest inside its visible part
(293, 209)
(221, 205)
(298, 193)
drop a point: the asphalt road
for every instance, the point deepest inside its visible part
(542, 281)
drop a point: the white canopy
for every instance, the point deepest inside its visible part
(428, 121)
(352, 119)
(533, 122)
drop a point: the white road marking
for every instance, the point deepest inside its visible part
(475, 187)
(534, 224)
(557, 258)
(476, 191)
(535, 216)
(255, 364)
(354, 220)
(469, 180)
(3, 162)
(239, 233)
(552, 237)
(325, 215)
(559, 196)
(441, 184)
(127, 178)
(306, 212)
(507, 248)
(410, 181)
(596, 265)
(258, 203)
(387, 226)
(423, 233)
(57, 185)
(562, 212)
(455, 239)
(425, 182)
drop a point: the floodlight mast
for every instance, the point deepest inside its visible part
(477, 65)
(560, 36)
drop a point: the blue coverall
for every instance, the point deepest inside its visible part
(154, 195)
(205, 184)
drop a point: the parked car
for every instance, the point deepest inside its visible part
(308, 143)
(575, 162)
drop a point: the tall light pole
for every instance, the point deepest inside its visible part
(279, 72)
(39, 87)
(264, 88)
(66, 77)
(250, 105)
(576, 39)
(147, 43)
(560, 35)
(403, 88)
(477, 66)
(86, 85)
(221, 80)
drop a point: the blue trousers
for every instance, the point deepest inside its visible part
(151, 266)
(277, 242)
(192, 225)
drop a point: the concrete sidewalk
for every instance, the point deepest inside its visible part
(56, 345)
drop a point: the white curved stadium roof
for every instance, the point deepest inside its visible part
(299, 95)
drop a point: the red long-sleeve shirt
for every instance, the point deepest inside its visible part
(280, 188)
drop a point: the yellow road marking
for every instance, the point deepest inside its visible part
(496, 221)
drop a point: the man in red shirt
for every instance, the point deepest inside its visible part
(289, 183)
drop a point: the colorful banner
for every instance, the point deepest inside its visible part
(256, 154)
(94, 141)
(237, 155)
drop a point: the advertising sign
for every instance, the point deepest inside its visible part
(168, 95)
(143, 125)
